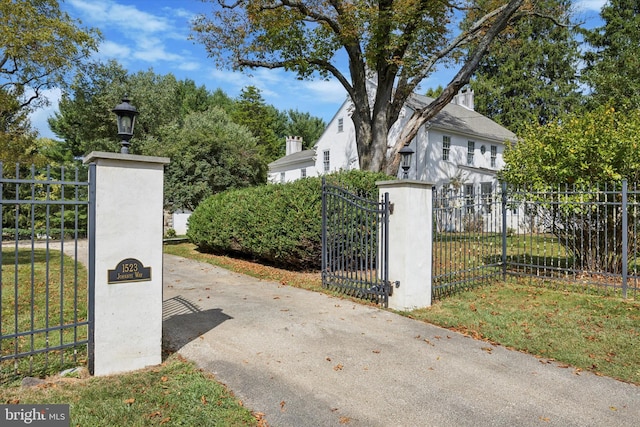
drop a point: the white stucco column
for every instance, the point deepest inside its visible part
(125, 257)
(410, 242)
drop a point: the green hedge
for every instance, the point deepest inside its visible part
(279, 224)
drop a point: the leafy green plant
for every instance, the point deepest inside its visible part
(279, 224)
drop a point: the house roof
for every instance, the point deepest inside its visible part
(301, 157)
(457, 118)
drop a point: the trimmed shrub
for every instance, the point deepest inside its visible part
(279, 224)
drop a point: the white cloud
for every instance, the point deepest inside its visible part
(189, 66)
(109, 49)
(326, 90)
(112, 14)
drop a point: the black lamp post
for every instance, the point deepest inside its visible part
(406, 152)
(126, 121)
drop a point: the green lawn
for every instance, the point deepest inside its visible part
(47, 286)
(175, 393)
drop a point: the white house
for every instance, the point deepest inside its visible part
(459, 150)
(296, 163)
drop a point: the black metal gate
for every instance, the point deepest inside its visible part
(45, 291)
(355, 244)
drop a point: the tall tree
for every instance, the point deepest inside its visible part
(397, 43)
(39, 44)
(613, 62)
(305, 125)
(262, 120)
(529, 74)
(209, 154)
(85, 120)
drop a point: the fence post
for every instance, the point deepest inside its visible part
(504, 230)
(126, 251)
(625, 238)
(410, 242)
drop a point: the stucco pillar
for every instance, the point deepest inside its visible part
(125, 261)
(410, 242)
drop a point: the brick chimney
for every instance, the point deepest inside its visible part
(293, 145)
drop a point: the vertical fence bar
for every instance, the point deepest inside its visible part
(625, 239)
(504, 230)
(324, 228)
(385, 277)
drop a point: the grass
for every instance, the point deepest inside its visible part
(175, 393)
(596, 333)
(51, 281)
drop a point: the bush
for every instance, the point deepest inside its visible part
(279, 224)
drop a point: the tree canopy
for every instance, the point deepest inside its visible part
(530, 75)
(210, 154)
(613, 62)
(39, 44)
(397, 44)
(583, 148)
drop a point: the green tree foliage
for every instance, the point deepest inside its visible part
(263, 120)
(85, 121)
(613, 63)
(530, 73)
(397, 44)
(209, 154)
(594, 147)
(17, 141)
(553, 164)
(39, 44)
(306, 126)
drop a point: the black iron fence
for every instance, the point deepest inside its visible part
(578, 238)
(44, 288)
(355, 244)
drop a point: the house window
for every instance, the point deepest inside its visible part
(325, 160)
(282, 177)
(340, 125)
(446, 146)
(471, 148)
(469, 198)
(486, 193)
(303, 172)
(494, 155)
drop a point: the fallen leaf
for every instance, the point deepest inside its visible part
(328, 359)
(613, 408)
(282, 403)
(487, 349)
(165, 420)
(376, 351)
(164, 379)
(345, 420)
(338, 367)
(203, 399)
(545, 419)
(129, 401)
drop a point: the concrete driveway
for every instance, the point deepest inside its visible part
(308, 359)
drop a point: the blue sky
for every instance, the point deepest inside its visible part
(153, 34)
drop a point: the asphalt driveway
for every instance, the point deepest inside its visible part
(307, 359)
